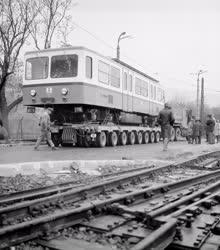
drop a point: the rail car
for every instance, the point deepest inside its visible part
(96, 99)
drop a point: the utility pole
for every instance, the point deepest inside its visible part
(197, 93)
(197, 98)
(202, 102)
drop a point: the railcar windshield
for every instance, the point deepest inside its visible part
(64, 66)
(36, 68)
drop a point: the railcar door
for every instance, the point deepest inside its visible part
(127, 100)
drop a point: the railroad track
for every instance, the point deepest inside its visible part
(31, 194)
(126, 212)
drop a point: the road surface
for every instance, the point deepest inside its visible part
(177, 150)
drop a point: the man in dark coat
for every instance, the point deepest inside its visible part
(166, 121)
(210, 127)
(197, 131)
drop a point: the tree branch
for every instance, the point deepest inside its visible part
(14, 103)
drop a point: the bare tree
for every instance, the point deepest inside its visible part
(53, 20)
(16, 17)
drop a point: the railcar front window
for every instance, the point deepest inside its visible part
(36, 68)
(64, 66)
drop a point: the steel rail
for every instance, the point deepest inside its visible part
(53, 189)
(37, 193)
(77, 195)
(168, 208)
(14, 234)
(43, 191)
(182, 210)
(160, 238)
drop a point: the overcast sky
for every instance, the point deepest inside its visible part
(171, 39)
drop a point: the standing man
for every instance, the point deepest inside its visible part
(197, 131)
(210, 127)
(190, 130)
(45, 129)
(166, 121)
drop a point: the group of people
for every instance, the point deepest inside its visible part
(196, 130)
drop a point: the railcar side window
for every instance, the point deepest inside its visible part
(151, 91)
(130, 81)
(36, 68)
(115, 77)
(103, 72)
(125, 81)
(137, 86)
(63, 66)
(88, 67)
(159, 94)
(144, 89)
(154, 92)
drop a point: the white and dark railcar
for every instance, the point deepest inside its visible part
(95, 98)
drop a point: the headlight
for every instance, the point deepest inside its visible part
(33, 92)
(64, 91)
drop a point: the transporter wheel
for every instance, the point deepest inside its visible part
(113, 139)
(146, 137)
(157, 137)
(139, 138)
(123, 138)
(152, 137)
(131, 138)
(101, 139)
(177, 134)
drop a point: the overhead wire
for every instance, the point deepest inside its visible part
(131, 59)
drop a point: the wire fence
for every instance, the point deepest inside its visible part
(24, 128)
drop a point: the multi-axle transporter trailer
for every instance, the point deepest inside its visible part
(103, 135)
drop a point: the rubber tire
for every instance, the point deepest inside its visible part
(146, 137)
(113, 139)
(152, 137)
(131, 138)
(172, 137)
(101, 139)
(123, 138)
(139, 138)
(157, 137)
(177, 134)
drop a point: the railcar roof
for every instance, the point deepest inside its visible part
(108, 58)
